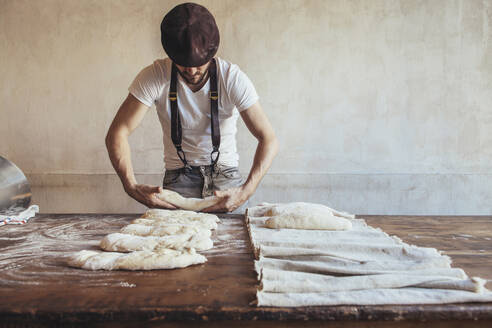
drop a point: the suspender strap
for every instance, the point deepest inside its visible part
(214, 113)
(176, 129)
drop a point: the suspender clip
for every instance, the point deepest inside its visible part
(173, 96)
(214, 156)
(214, 95)
(182, 156)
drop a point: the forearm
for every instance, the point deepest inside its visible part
(266, 151)
(120, 156)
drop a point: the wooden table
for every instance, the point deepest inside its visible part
(37, 288)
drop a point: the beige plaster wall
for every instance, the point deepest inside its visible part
(372, 98)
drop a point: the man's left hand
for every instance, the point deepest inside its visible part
(230, 200)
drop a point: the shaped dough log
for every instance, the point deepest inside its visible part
(118, 242)
(193, 204)
(154, 213)
(305, 216)
(201, 223)
(162, 213)
(267, 209)
(161, 230)
(180, 217)
(141, 260)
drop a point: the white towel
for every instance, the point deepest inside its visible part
(19, 218)
(363, 265)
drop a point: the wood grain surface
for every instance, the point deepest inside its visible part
(38, 288)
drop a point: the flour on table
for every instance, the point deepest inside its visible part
(301, 215)
(140, 260)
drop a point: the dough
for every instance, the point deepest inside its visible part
(194, 204)
(166, 217)
(141, 260)
(201, 223)
(306, 216)
(160, 239)
(127, 243)
(267, 209)
(162, 213)
(157, 230)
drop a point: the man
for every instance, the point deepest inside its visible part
(198, 98)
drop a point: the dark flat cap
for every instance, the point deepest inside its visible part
(190, 35)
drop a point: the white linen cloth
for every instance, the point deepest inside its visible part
(19, 217)
(363, 266)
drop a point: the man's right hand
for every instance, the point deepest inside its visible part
(146, 195)
(127, 119)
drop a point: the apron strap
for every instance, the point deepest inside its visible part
(176, 129)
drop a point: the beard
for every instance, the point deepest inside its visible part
(195, 79)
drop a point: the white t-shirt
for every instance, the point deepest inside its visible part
(236, 93)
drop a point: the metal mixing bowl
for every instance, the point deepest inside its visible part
(15, 191)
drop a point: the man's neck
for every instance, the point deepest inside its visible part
(198, 86)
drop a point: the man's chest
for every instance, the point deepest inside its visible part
(194, 109)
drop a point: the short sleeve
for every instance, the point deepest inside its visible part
(146, 87)
(241, 90)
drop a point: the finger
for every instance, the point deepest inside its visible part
(229, 207)
(141, 200)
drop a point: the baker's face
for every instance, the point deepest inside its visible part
(193, 75)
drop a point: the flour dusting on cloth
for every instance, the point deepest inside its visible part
(360, 266)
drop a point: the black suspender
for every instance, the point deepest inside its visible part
(214, 113)
(176, 129)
